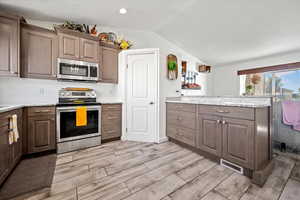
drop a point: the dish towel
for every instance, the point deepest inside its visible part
(13, 129)
(291, 113)
(81, 116)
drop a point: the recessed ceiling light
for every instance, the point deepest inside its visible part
(123, 11)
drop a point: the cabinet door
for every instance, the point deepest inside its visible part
(41, 133)
(109, 65)
(111, 121)
(16, 148)
(39, 52)
(210, 134)
(238, 142)
(89, 50)
(4, 149)
(69, 46)
(9, 46)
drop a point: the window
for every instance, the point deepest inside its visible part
(280, 83)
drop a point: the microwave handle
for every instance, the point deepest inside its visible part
(100, 74)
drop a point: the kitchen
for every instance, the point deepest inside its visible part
(100, 120)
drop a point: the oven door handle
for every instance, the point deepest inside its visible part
(73, 108)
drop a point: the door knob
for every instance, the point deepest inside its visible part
(151, 103)
(219, 121)
(223, 122)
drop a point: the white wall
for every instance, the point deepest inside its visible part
(226, 80)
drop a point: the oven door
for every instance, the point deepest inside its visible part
(66, 123)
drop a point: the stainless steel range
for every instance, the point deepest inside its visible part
(71, 137)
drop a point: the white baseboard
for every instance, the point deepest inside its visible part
(164, 139)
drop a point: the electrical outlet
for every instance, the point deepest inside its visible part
(42, 91)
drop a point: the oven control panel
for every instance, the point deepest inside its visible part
(77, 94)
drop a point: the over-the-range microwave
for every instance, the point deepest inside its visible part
(77, 70)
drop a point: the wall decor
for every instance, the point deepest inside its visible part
(172, 66)
(190, 81)
(204, 68)
(184, 67)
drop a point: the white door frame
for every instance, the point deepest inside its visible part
(123, 65)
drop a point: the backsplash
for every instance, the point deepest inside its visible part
(26, 91)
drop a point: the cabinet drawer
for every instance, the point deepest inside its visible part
(111, 129)
(112, 124)
(182, 119)
(227, 111)
(181, 134)
(113, 115)
(111, 107)
(45, 110)
(181, 107)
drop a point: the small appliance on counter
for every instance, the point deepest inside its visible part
(78, 119)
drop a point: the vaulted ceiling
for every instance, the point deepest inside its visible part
(215, 31)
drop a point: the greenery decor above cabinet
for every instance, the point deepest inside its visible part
(10, 45)
(39, 52)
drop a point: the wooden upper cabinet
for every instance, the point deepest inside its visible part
(89, 50)
(39, 52)
(238, 141)
(69, 46)
(9, 45)
(109, 65)
(210, 134)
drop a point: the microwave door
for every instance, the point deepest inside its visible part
(74, 70)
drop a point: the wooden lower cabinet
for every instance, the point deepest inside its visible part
(41, 129)
(111, 121)
(41, 135)
(10, 153)
(238, 142)
(235, 134)
(4, 151)
(181, 123)
(17, 146)
(209, 136)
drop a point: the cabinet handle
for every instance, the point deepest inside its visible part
(110, 131)
(42, 111)
(222, 111)
(109, 118)
(111, 107)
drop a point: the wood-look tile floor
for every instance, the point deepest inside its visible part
(143, 171)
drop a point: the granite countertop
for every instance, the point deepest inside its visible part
(6, 107)
(250, 102)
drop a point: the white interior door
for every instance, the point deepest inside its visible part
(142, 97)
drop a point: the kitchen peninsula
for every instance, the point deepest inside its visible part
(235, 131)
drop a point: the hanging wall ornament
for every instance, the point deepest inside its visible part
(172, 66)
